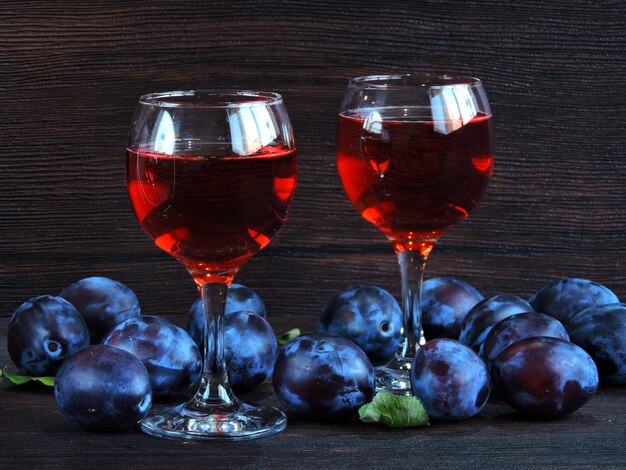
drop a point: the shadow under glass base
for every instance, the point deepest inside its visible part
(239, 422)
(394, 377)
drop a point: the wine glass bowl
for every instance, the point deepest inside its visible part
(415, 155)
(211, 176)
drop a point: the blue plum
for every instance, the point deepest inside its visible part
(518, 327)
(169, 354)
(103, 303)
(601, 331)
(103, 388)
(566, 297)
(240, 299)
(445, 303)
(545, 378)
(249, 349)
(42, 332)
(481, 319)
(243, 299)
(323, 377)
(368, 316)
(450, 379)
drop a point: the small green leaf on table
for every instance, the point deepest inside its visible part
(18, 379)
(394, 411)
(288, 336)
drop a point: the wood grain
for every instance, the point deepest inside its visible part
(71, 75)
(555, 73)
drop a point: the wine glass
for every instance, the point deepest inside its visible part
(415, 154)
(211, 176)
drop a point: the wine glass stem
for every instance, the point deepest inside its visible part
(412, 264)
(214, 390)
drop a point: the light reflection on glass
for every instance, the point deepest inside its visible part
(452, 107)
(164, 136)
(251, 129)
(373, 123)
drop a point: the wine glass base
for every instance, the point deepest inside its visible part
(394, 377)
(239, 423)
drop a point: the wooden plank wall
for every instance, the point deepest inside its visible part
(70, 73)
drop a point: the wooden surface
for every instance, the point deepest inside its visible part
(555, 72)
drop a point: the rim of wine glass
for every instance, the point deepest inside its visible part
(411, 80)
(201, 98)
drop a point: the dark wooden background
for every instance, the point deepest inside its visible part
(70, 74)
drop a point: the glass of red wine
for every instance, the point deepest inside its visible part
(415, 154)
(211, 176)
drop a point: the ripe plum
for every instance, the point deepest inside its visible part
(480, 319)
(601, 331)
(42, 332)
(368, 316)
(445, 303)
(103, 303)
(239, 299)
(323, 377)
(518, 327)
(566, 297)
(450, 379)
(249, 349)
(103, 388)
(545, 378)
(169, 354)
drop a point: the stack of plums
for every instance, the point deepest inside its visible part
(110, 361)
(545, 356)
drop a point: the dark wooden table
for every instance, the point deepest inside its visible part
(554, 71)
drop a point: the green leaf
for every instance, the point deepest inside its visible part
(288, 336)
(394, 411)
(18, 379)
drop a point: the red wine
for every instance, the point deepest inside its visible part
(410, 176)
(212, 214)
